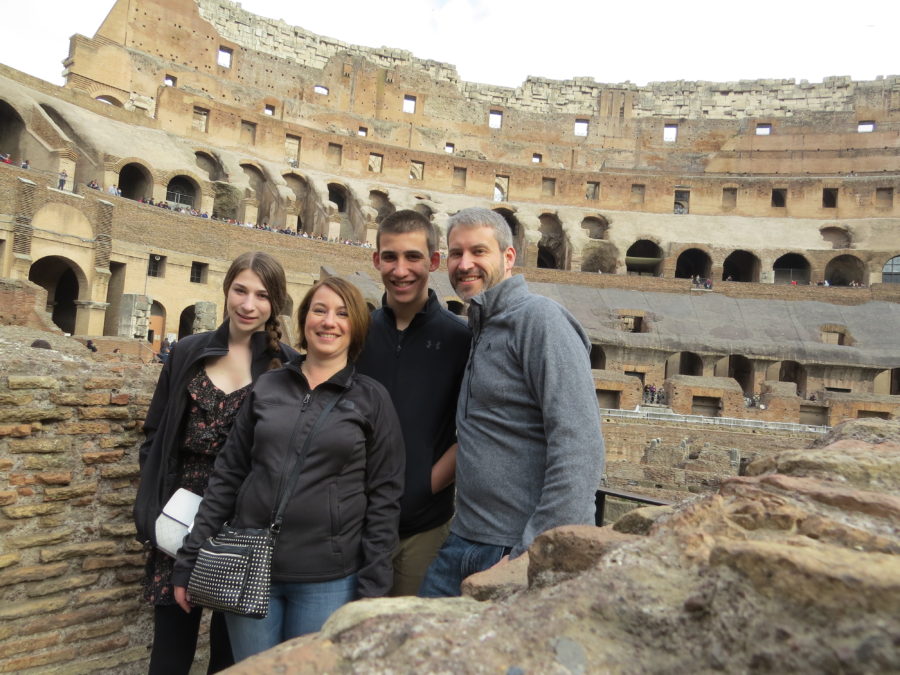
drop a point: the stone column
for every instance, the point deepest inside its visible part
(89, 317)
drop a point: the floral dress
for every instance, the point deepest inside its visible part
(210, 414)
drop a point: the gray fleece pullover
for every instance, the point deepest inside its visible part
(530, 448)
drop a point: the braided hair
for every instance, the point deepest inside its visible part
(271, 273)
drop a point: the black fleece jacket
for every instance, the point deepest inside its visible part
(342, 515)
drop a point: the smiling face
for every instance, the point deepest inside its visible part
(404, 264)
(327, 326)
(247, 303)
(475, 262)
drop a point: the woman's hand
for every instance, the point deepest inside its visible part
(183, 599)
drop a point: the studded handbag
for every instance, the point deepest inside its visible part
(233, 570)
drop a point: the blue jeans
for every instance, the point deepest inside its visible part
(457, 559)
(294, 609)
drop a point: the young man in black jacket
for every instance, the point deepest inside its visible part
(417, 349)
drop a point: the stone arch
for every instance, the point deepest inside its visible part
(788, 371)
(382, 204)
(791, 267)
(598, 357)
(844, 269)
(518, 233)
(12, 130)
(300, 187)
(693, 262)
(226, 201)
(186, 321)
(644, 257)
(739, 368)
(65, 283)
(425, 210)
(554, 251)
(890, 273)
(597, 227)
(887, 382)
(210, 164)
(183, 191)
(262, 193)
(837, 236)
(741, 266)
(65, 220)
(684, 363)
(109, 99)
(156, 330)
(135, 181)
(339, 196)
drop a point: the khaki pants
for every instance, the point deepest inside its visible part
(413, 556)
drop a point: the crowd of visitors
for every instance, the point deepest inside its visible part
(652, 394)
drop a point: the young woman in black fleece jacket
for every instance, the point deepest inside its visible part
(340, 523)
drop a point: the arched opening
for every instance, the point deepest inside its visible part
(210, 165)
(379, 201)
(600, 258)
(788, 371)
(738, 368)
(890, 273)
(57, 276)
(227, 202)
(553, 249)
(596, 226)
(693, 262)
(157, 327)
(845, 270)
(741, 266)
(518, 234)
(684, 363)
(135, 181)
(110, 100)
(262, 192)
(12, 128)
(887, 382)
(425, 210)
(300, 188)
(186, 321)
(838, 237)
(66, 128)
(791, 268)
(337, 194)
(182, 191)
(644, 258)
(598, 357)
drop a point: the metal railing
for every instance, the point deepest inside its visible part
(733, 422)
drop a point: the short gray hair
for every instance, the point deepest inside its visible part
(478, 217)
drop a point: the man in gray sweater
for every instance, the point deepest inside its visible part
(530, 451)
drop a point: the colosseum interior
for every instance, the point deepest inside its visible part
(190, 131)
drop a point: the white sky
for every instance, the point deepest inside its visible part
(503, 41)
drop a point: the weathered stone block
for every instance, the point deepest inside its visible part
(8, 559)
(121, 470)
(83, 428)
(32, 382)
(105, 413)
(22, 610)
(107, 595)
(15, 399)
(15, 430)
(76, 550)
(20, 415)
(30, 644)
(8, 497)
(80, 399)
(31, 573)
(103, 383)
(67, 583)
(71, 492)
(118, 530)
(42, 444)
(41, 538)
(102, 457)
(117, 499)
(57, 478)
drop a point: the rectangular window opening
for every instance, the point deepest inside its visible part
(201, 120)
(495, 119)
(581, 127)
(637, 193)
(292, 150)
(670, 133)
(459, 176)
(537, 158)
(416, 170)
(779, 198)
(319, 89)
(199, 272)
(269, 110)
(334, 154)
(170, 81)
(449, 148)
(592, 191)
(376, 162)
(224, 57)
(865, 127)
(409, 104)
(884, 197)
(248, 132)
(729, 197)
(501, 188)
(156, 265)
(763, 129)
(829, 198)
(548, 187)
(362, 131)
(682, 203)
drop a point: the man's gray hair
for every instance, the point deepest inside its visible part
(478, 217)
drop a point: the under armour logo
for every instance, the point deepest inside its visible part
(437, 345)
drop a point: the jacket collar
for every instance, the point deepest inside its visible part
(497, 298)
(259, 345)
(342, 378)
(430, 306)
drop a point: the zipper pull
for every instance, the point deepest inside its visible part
(305, 401)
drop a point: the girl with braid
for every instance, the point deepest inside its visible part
(202, 384)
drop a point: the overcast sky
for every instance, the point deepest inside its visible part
(503, 41)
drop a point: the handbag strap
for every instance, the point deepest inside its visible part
(288, 485)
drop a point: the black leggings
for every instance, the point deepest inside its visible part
(175, 641)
